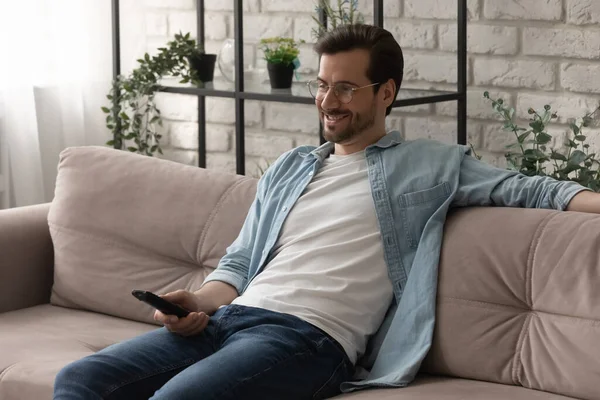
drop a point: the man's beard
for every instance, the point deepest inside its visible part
(358, 124)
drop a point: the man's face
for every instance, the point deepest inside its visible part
(344, 122)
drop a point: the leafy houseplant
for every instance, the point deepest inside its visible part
(133, 115)
(281, 55)
(533, 154)
(345, 12)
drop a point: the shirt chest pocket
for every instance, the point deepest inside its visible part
(417, 207)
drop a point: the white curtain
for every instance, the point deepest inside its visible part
(55, 72)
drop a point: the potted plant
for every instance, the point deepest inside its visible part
(532, 153)
(281, 55)
(203, 64)
(133, 115)
(344, 12)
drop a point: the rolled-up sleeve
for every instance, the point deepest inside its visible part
(481, 184)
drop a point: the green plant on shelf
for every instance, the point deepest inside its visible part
(280, 50)
(133, 116)
(531, 152)
(344, 12)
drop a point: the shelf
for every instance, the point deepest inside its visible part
(256, 87)
(298, 93)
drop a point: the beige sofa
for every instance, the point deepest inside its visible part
(518, 302)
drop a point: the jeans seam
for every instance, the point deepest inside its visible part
(318, 392)
(110, 390)
(217, 326)
(293, 356)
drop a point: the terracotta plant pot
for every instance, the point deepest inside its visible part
(280, 75)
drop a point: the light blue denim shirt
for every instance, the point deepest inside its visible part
(413, 184)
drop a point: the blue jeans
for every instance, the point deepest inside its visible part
(243, 353)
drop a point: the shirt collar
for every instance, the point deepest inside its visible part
(392, 138)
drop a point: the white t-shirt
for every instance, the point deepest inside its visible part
(328, 266)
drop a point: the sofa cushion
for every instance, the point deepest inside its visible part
(36, 342)
(518, 300)
(427, 387)
(121, 221)
(31, 357)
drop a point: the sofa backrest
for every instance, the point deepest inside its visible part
(518, 300)
(121, 221)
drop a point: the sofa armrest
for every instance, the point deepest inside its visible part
(26, 257)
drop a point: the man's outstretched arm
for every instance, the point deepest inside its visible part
(482, 184)
(585, 202)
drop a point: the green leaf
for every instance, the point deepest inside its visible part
(124, 116)
(557, 156)
(570, 168)
(543, 138)
(575, 129)
(521, 138)
(537, 126)
(106, 110)
(580, 138)
(110, 142)
(132, 149)
(577, 157)
(154, 119)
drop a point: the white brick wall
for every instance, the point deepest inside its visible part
(528, 52)
(582, 12)
(517, 74)
(544, 10)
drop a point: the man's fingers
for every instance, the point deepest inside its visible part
(197, 324)
(165, 319)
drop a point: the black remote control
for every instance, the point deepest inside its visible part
(162, 305)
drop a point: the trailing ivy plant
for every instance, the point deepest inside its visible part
(133, 115)
(532, 154)
(344, 12)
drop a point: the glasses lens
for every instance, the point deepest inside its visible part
(313, 88)
(343, 92)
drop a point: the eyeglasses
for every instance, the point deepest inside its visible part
(343, 91)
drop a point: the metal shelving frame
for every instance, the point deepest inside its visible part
(283, 95)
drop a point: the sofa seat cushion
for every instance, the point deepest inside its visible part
(445, 388)
(35, 343)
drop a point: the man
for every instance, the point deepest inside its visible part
(331, 282)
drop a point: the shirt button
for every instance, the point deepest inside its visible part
(310, 173)
(284, 208)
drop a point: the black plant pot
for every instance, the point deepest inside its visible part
(204, 65)
(280, 75)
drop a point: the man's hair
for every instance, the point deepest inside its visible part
(386, 60)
